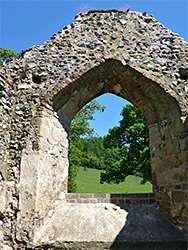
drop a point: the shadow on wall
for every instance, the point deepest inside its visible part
(146, 228)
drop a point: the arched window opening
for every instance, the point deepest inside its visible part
(158, 106)
(116, 153)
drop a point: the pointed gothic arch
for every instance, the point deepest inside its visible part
(131, 55)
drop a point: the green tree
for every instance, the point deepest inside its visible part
(131, 141)
(94, 150)
(6, 54)
(80, 127)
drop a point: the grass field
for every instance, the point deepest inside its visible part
(89, 182)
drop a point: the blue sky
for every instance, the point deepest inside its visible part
(26, 23)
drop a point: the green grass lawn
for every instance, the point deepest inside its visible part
(89, 182)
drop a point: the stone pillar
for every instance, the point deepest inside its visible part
(44, 174)
(169, 157)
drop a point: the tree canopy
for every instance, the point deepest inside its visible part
(130, 140)
(6, 54)
(123, 151)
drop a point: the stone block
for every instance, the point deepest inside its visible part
(87, 196)
(71, 195)
(157, 152)
(179, 174)
(115, 196)
(178, 186)
(184, 157)
(117, 88)
(93, 200)
(178, 196)
(171, 162)
(172, 147)
(177, 127)
(3, 199)
(43, 144)
(185, 186)
(172, 176)
(167, 133)
(99, 195)
(154, 135)
(162, 196)
(158, 163)
(45, 131)
(184, 144)
(56, 134)
(161, 178)
(46, 121)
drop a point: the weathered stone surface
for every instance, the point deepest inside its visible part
(178, 196)
(100, 222)
(45, 131)
(128, 54)
(108, 225)
(43, 145)
(172, 147)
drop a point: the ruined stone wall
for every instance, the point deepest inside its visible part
(131, 55)
(9, 173)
